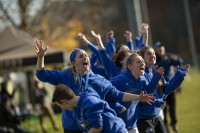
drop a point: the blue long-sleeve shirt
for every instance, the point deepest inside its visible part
(130, 46)
(138, 42)
(102, 86)
(96, 68)
(94, 50)
(166, 62)
(127, 83)
(92, 112)
(110, 67)
(101, 70)
(160, 93)
(110, 47)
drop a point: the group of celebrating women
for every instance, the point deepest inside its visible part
(116, 89)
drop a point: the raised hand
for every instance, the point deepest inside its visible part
(187, 67)
(98, 39)
(146, 98)
(144, 27)
(109, 35)
(83, 38)
(40, 48)
(160, 70)
(96, 36)
(128, 35)
(144, 30)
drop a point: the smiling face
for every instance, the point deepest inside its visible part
(81, 62)
(136, 65)
(149, 57)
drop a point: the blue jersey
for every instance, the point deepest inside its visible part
(96, 66)
(110, 47)
(111, 69)
(127, 83)
(92, 112)
(161, 92)
(166, 62)
(106, 54)
(99, 84)
(138, 42)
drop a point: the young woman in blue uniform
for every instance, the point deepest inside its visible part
(95, 53)
(108, 55)
(149, 119)
(96, 65)
(133, 81)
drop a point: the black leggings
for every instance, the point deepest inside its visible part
(154, 125)
(171, 108)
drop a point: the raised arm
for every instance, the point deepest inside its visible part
(91, 46)
(97, 37)
(110, 43)
(129, 40)
(177, 79)
(40, 50)
(82, 37)
(144, 30)
(157, 75)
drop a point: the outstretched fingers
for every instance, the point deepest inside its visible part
(146, 98)
(40, 48)
(97, 36)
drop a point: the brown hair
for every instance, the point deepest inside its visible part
(62, 92)
(72, 69)
(143, 50)
(117, 51)
(120, 56)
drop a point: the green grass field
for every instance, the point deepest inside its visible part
(188, 108)
(188, 104)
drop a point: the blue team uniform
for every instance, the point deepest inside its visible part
(127, 83)
(147, 111)
(100, 85)
(92, 112)
(150, 114)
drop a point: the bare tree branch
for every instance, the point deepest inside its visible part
(6, 15)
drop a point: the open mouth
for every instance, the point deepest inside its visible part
(85, 64)
(142, 68)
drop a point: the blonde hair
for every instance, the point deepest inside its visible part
(73, 70)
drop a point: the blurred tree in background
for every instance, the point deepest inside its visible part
(57, 22)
